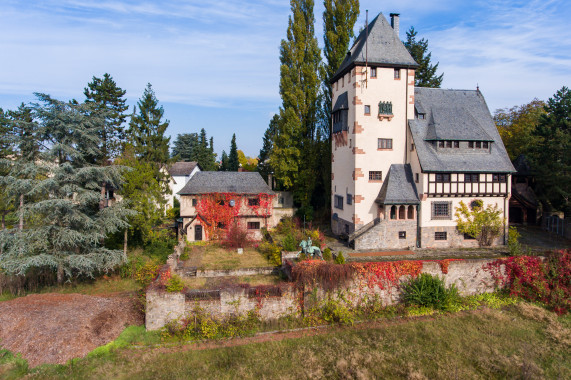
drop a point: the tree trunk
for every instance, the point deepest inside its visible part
(3, 221)
(125, 244)
(60, 274)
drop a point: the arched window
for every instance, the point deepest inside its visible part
(402, 212)
(410, 212)
(394, 212)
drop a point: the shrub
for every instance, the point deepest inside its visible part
(272, 252)
(340, 259)
(327, 254)
(429, 291)
(146, 272)
(160, 249)
(289, 243)
(547, 281)
(174, 284)
(236, 237)
(336, 311)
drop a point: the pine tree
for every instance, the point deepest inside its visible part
(147, 129)
(233, 163)
(7, 202)
(109, 99)
(223, 162)
(294, 155)
(186, 147)
(425, 75)
(339, 19)
(66, 224)
(550, 157)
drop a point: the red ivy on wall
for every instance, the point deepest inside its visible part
(215, 210)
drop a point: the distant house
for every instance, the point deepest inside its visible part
(211, 202)
(180, 173)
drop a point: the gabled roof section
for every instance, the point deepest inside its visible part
(342, 102)
(226, 182)
(457, 115)
(182, 168)
(384, 48)
(398, 187)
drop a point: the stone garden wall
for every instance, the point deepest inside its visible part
(273, 302)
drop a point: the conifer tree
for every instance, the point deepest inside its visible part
(339, 18)
(264, 167)
(550, 156)
(147, 129)
(233, 162)
(425, 75)
(66, 224)
(223, 162)
(185, 147)
(109, 99)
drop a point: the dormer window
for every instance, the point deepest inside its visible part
(420, 116)
(485, 145)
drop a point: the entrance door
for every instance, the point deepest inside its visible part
(197, 232)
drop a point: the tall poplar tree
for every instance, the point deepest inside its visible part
(147, 129)
(425, 75)
(109, 99)
(294, 155)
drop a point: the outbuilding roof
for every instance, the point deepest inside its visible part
(383, 47)
(457, 115)
(226, 182)
(182, 168)
(398, 187)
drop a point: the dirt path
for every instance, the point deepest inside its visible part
(53, 328)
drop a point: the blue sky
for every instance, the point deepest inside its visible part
(215, 65)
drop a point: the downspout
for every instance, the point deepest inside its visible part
(418, 236)
(406, 120)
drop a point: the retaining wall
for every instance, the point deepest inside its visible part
(468, 276)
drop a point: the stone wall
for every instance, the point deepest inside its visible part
(468, 276)
(163, 307)
(385, 235)
(453, 238)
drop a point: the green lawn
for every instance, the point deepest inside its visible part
(215, 257)
(521, 341)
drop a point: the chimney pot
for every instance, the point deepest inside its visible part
(395, 22)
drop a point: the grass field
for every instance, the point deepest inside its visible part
(520, 341)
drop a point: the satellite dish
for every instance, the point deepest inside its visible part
(232, 203)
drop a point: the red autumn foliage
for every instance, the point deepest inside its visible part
(215, 210)
(535, 279)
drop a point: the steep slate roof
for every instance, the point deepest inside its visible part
(226, 182)
(342, 102)
(398, 187)
(182, 168)
(457, 115)
(384, 48)
(454, 123)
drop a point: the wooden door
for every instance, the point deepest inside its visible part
(198, 232)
